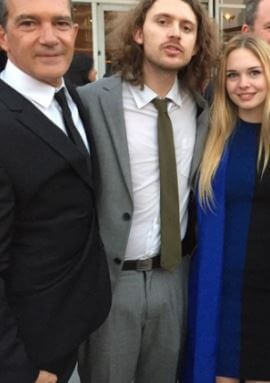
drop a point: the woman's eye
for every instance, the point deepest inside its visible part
(232, 75)
(255, 73)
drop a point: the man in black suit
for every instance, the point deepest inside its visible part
(54, 284)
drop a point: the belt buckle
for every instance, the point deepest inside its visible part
(144, 264)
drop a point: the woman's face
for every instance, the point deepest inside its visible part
(246, 84)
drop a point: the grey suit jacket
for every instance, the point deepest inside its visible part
(103, 101)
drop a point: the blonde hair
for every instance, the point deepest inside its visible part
(224, 114)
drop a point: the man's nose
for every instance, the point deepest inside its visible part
(48, 34)
(175, 30)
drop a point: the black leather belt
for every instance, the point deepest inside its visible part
(142, 264)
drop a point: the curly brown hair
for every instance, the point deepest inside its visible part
(127, 56)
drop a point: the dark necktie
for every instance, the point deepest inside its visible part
(171, 249)
(72, 132)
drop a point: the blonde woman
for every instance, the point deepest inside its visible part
(229, 313)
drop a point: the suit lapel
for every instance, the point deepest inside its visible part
(201, 133)
(112, 106)
(86, 124)
(34, 120)
(82, 112)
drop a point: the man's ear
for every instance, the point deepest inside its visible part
(245, 28)
(138, 36)
(3, 39)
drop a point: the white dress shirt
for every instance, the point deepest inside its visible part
(141, 127)
(42, 96)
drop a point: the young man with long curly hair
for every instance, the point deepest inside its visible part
(162, 49)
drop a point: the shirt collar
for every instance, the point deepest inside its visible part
(31, 88)
(144, 96)
(175, 93)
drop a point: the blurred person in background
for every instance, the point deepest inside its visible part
(257, 14)
(81, 70)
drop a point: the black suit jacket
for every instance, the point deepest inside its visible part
(54, 284)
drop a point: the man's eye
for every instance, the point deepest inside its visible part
(162, 21)
(187, 28)
(27, 23)
(63, 24)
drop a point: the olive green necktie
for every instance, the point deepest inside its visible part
(169, 198)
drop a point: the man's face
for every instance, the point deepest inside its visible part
(168, 36)
(261, 27)
(39, 38)
(262, 22)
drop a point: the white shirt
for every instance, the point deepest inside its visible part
(141, 127)
(42, 96)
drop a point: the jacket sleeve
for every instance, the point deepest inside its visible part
(14, 364)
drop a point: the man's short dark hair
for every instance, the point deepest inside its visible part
(4, 11)
(251, 11)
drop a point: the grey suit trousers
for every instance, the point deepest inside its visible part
(142, 338)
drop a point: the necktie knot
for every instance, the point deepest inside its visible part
(161, 104)
(71, 130)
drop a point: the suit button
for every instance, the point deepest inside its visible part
(117, 261)
(126, 217)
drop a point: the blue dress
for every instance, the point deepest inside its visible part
(229, 292)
